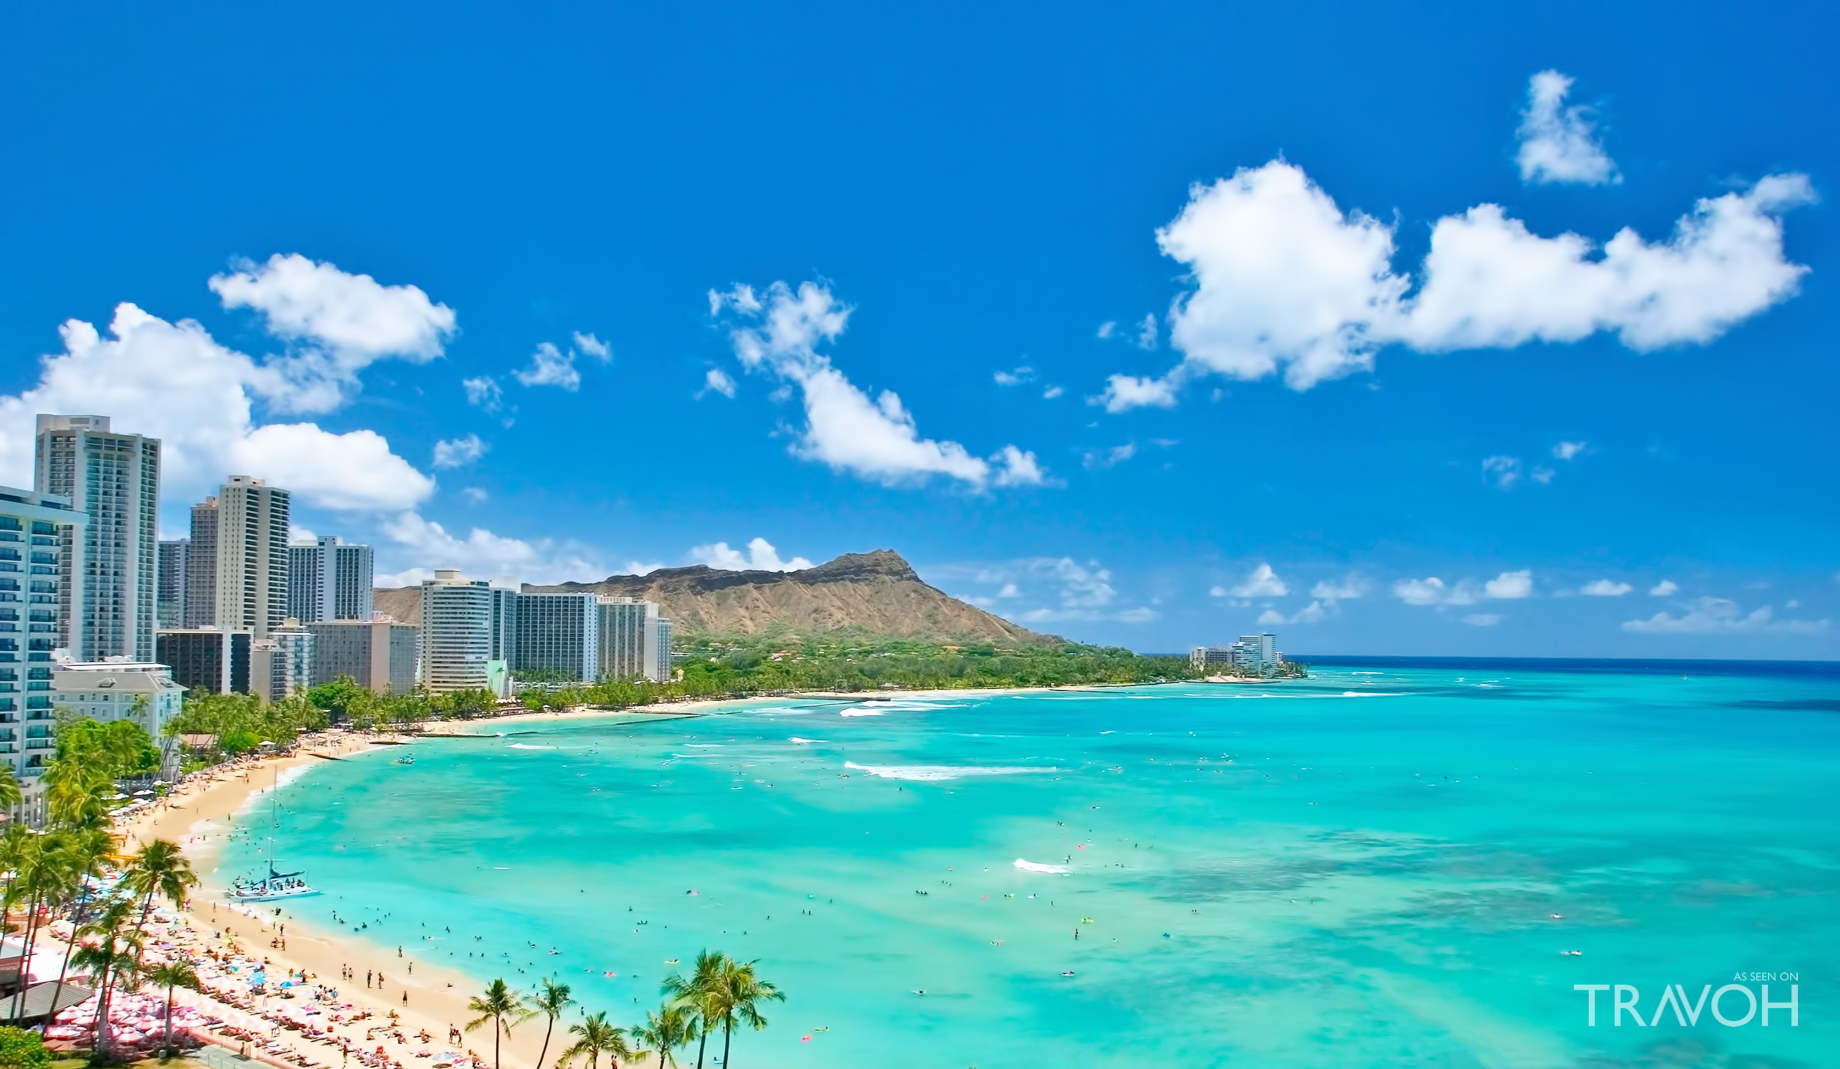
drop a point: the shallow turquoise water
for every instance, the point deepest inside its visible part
(1355, 870)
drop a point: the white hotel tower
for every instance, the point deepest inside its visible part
(457, 620)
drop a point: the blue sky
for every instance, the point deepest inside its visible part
(687, 257)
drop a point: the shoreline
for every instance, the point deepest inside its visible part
(200, 814)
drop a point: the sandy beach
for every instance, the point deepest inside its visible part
(199, 815)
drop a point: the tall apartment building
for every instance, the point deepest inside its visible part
(635, 642)
(558, 635)
(457, 632)
(169, 596)
(329, 580)
(252, 556)
(282, 663)
(34, 536)
(504, 623)
(208, 659)
(379, 655)
(201, 567)
(109, 610)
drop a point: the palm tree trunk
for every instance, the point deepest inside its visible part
(544, 1053)
(76, 920)
(728, 1027)
(497, 1026)
(701, 1042)
(168, 1047)
(25, 963)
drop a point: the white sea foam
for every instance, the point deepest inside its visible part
(527, 746)
(936, 773)
(857, 710)
(795, 740)
(1036, 866)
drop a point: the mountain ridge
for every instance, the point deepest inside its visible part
(876, 593)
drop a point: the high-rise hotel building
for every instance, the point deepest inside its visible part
(108, 590)
(252, 556)
(457, 632)
(36, 530)
(329, 580)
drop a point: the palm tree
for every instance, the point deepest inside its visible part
(500, 1005)
(159, 869)
(741, 993)
(110, 959)
(45, 875)
(176, 973)
(665, 1030)
(550, 1002)
(9, 788)
(598, 1038)
(699, 995)
(87, 847)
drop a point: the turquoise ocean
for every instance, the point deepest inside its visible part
(1382, 865)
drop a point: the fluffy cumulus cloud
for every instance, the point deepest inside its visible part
(1504, 472)
(1351, 586)
(1016, 377)
(482, 555)
(1559, 144)
(1718, 616)
(550, 366)
(457, 452)
(779, 332)
(484, 392)
(593, 346)
(1605, 588)
(1313, 613)
(1261, 583)
(715, 380)
(173, 381)
(1664, 588)
(1283, 281)
(1507, 586)
(1037, 590)
(1100, 459)
(760, 557)
(336, 323)
(1568, 450)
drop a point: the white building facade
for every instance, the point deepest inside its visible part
(35, 530)
(457, 632)
(252, 555)
(109, 591)
(329, 580)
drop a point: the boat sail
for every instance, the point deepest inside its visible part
(276, 884)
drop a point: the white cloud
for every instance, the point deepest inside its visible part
(1429, 591)
(1605, 588)
(483, 392)
(1283, 281)
(1262, 583)
(1017, 377)
(715, 380)
(1568, 450)
(1557, 142)
(1543, 476)
(1143, 614)
(1052, 392)
(1718, 616)
(297, 534)
(174, 382)
(1482, 619)
(593, 346)
(761, 556)
(482, 554)
(550, 366)
(1664, 588)
(1510, 585)
(1147, 332)
(1072, 590)
(455, 452)
(1504, 472)
(1125, 392)
(1353, 586)
(634, 567)
(845, 429)
(1010, 590)
(1108, 328)
(474, 495)
(1313, 613)
(1014, 467)
(339, 323)
(1098, 459)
